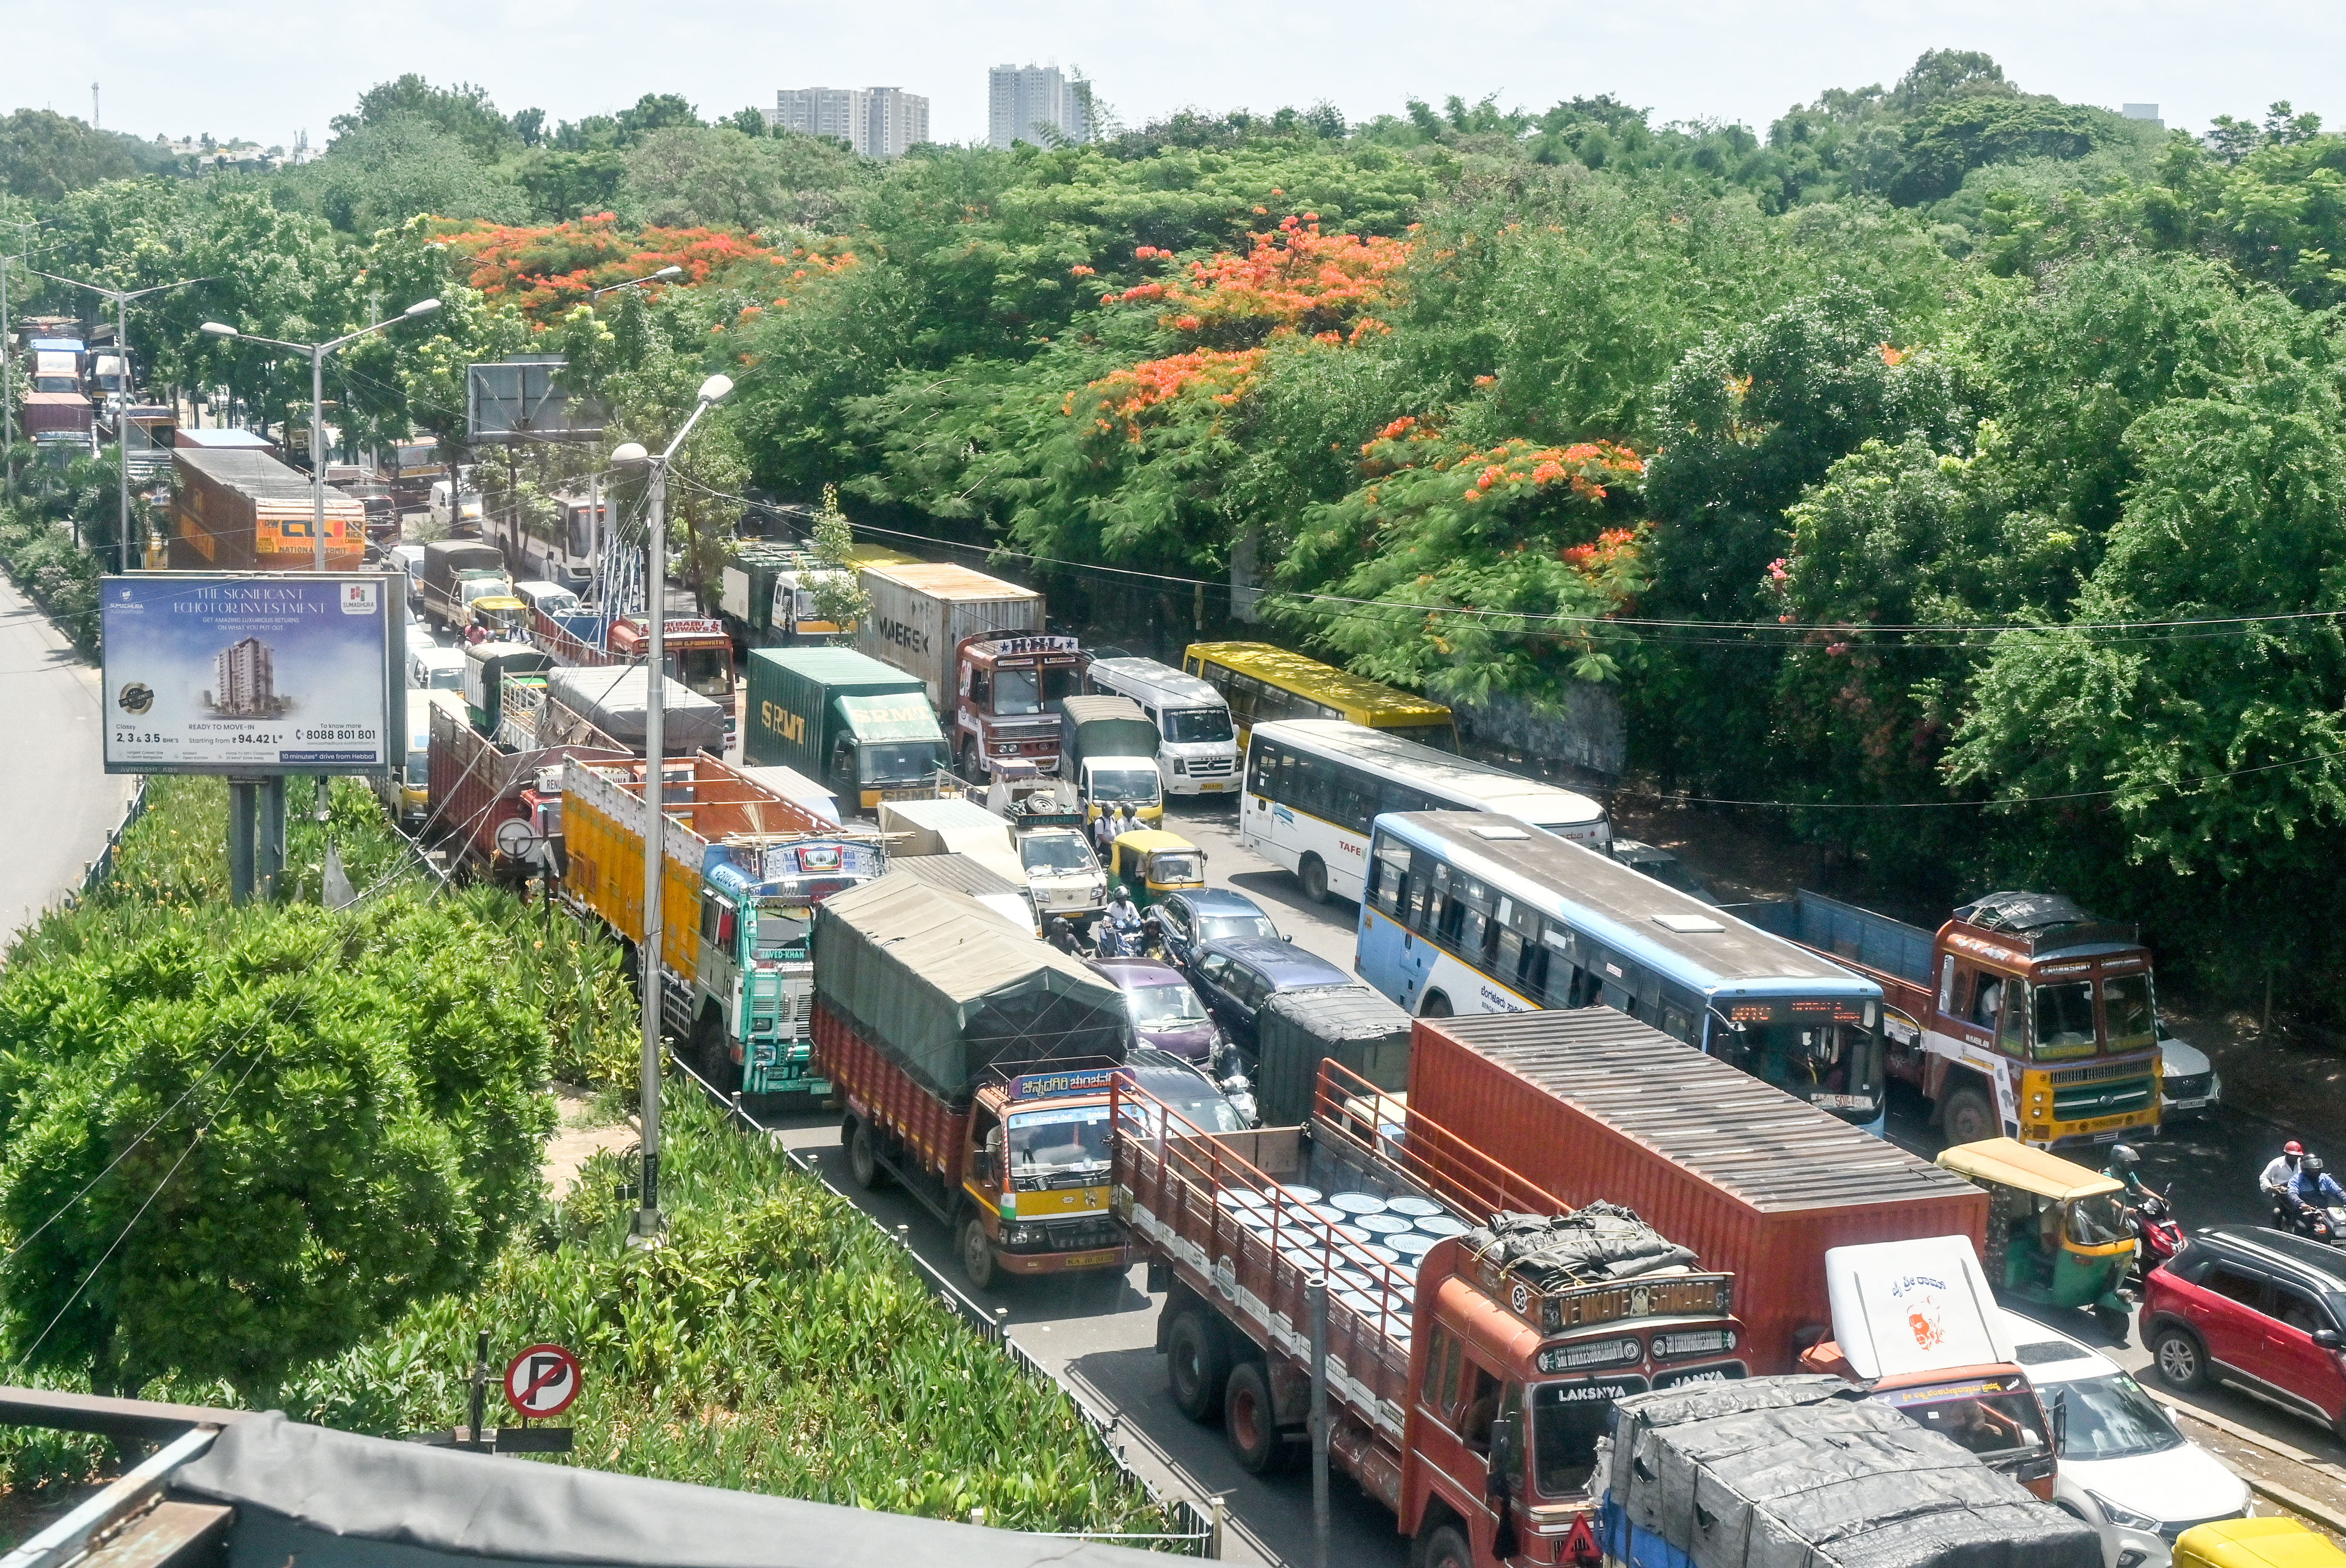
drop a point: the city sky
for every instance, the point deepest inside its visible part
(193, 67)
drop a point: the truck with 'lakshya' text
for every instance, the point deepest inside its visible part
(745, 870)
(994, 674)
(976, 1064)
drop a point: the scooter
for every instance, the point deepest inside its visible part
(2158, 1235)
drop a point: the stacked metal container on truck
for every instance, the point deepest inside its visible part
(1455, 1308)
(477, 788)
(243, 511)
(744, 871)
(864, 729)
(976, 1064)
(994, 674)
(1592, 1105)
(607, 705)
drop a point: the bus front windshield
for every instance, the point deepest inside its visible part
(1836, 1067)
(1184, 726)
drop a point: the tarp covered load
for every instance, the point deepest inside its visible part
(612, 698)
(1556, 1252)
(948, 991)
(1805, 1472)
(335, 1500)
(1298, 1029)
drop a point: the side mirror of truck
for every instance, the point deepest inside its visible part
(1507, 1452)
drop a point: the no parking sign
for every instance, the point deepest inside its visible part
(542, 1380)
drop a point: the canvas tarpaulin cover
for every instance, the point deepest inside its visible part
(1805, 1472)
(940, 982)
(335, 1500)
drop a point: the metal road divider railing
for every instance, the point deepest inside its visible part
(1198, 1531)
(98, 870)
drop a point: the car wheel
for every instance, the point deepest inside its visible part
(1313, 875)
(863, 1159)
(1968, 1117)
(976, 1256)
(1444, 1546)
(1197, 1365)
(2181, 1359)
(1249, 1423)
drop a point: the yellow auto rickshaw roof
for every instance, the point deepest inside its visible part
(2268, 1543)
(498, 602)
(2007, 1162)
(1149, 841)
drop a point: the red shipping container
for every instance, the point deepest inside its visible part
(1590, 1104)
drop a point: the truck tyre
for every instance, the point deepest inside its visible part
(1197, 1364)
(972, 762)
(976, 1254)
(1969, 1115)
(1443, 1546)
(2181, 1359)
(1313, 875)
(863, 1159)
(1249, 1424)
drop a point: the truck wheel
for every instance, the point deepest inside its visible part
(1443, 1546)
(1197, 1365)
(976, 1254)
(1968, 1116)
(2182, 1363)
(1313, 875)
(1249, 1424)
(863, 1159)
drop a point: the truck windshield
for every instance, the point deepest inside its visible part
(1184, 726)
(1566, 1421)
(1119, 786)
(1836, 1067)
(1057, 852)
(560, 603)
(901, 761)
(1047, 1144)
(2128, 1014)
(2065, 1020)
(781, 925)
(1023, 691)
(1995, 1418)
(706, 671)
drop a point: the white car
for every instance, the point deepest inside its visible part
(2125, 1470)
(2188, 1081)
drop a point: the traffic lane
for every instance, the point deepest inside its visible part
(1325, 930)
(57, 802)
(1099, 1335)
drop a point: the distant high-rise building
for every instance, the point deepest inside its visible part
(2141, 112)
(895, 121)
(877, 122)
(1022, 98)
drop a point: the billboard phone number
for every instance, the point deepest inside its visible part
(348, 732)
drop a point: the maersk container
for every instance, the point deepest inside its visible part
(921, 612)
(1589, 1104)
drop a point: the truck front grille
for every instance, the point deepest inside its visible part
(2105, 1099)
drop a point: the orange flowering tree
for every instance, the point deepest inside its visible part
(1466, 570)
(1291, 276)
(547, 269)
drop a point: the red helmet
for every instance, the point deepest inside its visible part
(2292, 1147)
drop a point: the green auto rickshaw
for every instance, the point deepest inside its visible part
(2056, 1232)
(1155, 864)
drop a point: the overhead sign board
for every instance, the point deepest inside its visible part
(522, 399)
(253, 673)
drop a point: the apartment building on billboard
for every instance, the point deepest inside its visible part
(244, 681)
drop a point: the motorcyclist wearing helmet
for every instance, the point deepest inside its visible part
(2277, 1177)
(1122, 912)
(2315, 1188)
(2125, 1168)
(1152, 935)
(1061, 935)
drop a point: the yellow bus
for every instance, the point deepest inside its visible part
(1262, 684)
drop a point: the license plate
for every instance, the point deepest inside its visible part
(2109, 1137)
(1841, 1102)
(1095, 1260)
(1216, 784)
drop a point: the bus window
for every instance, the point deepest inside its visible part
(1263, 767)
(1389, 877)
(1678, 1022)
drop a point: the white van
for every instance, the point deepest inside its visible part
(435, 669)
(1199, 754)
(467, 514)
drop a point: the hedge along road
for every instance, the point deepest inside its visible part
(57, 804)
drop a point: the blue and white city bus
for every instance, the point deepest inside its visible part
(1478, 913)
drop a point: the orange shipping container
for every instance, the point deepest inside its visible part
(1590, 1104)
(243, 511)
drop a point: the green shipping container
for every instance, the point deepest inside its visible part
(802, 701)
(1299, 1029)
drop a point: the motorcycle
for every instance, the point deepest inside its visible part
(2157, 1235)
(2324, 1223)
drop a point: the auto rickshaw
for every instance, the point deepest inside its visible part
(2056, 1232)
(1155, 863)
(2271, 1541)
(497, 618)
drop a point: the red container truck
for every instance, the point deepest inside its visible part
(476, 787)
(1590, 1104)
(1475, 1343)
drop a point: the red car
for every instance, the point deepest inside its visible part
(2258, 1309)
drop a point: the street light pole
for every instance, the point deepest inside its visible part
(664, 275)
(318, 353)
(647, 952)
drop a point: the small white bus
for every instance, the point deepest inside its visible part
(1199, 753)
(1314, 785)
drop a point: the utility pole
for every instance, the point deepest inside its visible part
(7, 394)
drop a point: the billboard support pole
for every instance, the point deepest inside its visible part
(241, 793)
(268, 837)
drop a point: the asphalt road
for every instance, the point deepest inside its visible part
(58, 805)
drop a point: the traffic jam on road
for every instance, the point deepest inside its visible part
(1413, 1123)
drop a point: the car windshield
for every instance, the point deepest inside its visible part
(1051, 1143)
(1186, 724)
(1115, 785)
(1057, 852)
(1174, 1006)
(1213, 928)
(902, 761)
(1990, 1419)
(2108, 1418)
(2065, 1020)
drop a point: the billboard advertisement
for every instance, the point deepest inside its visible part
(253, 673)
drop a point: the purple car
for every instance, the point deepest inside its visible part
(1165, 1012)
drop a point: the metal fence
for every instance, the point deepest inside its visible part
(98, 870)
(1197, 1532)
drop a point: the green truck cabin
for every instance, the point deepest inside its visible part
(861, 728)
(756, 971)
